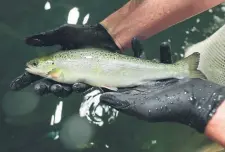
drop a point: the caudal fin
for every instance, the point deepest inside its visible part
(193, 62)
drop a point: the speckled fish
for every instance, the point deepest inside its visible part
(105, 69)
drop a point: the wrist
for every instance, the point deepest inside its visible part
(105, 31)
(107, 26)
(115, 19)
(95, 36)
(215, 128)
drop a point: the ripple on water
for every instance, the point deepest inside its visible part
(94, 111)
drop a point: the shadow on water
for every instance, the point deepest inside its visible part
(29, 123)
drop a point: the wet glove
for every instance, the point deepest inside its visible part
(68, 37)
(71, 36)
(188, 101)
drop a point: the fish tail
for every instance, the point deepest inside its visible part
(193, 61)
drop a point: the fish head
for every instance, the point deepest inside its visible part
(40, 66)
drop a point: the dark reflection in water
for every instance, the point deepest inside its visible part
(29, 123)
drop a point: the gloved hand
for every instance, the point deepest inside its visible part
(68, 37)
(188, 101)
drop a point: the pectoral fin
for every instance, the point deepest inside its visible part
(55, 73)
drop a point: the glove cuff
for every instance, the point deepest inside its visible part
(107, 37)
(216, 99)
(210, 108)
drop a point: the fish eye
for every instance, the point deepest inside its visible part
(34, 63)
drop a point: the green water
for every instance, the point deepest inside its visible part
(25, 117)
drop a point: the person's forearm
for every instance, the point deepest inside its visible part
(144, 18)
(115, 18)
(215, 129)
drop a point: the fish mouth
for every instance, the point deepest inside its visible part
(34, 70)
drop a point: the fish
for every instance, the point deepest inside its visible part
(104, 69)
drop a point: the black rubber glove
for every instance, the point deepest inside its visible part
(188, 101)
(71, 36)
(68, 37)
